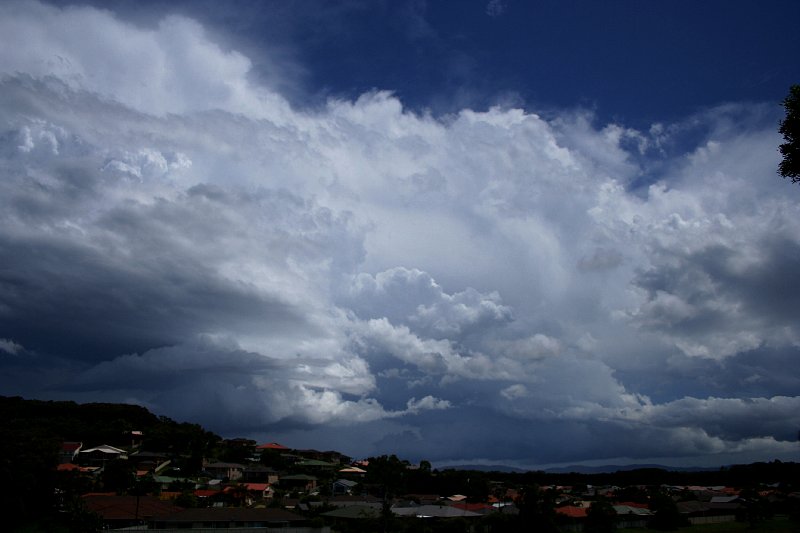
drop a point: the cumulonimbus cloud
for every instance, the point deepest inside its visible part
(172, 227)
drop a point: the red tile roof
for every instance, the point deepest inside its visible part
(572, 511)
(474, 507)
(231, 514)
(635, 504)
(125, 507)
(271, 446)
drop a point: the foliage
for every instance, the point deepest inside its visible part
(186, 499)
(666, 516)
(77, 518)
(118, 476)
(235, 450)
(790, 129)
(274, 459)
(388, 473)
(536, 510)
(755, 508)
(28, 457)
(600, 518)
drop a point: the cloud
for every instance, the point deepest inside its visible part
(495, 8)
(179, 236)
(171, 68)
(413, 298)
(10, 347)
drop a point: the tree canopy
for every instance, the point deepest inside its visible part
(790, 129)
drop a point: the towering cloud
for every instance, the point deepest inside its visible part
(175, 234)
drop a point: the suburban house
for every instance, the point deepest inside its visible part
(149, 461)
(343, 486)
(259, 491)
(272, 446)
(228, 517)
(127, 511)
(100, 454)
(259, 474)
(230, 471)
(69, 452)
(302, 482)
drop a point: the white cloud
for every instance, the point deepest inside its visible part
(332, 260)
(10, 347)
(172, 68)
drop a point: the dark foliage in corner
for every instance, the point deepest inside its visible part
(790, 129)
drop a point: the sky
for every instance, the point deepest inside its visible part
(493, 232)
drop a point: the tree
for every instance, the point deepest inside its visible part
(790, 129)
(666, 516)
(601, 518)
(536, 510)
(118, 476)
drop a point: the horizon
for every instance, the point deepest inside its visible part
(493, 231)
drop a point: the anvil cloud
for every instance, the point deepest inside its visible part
(484, 285)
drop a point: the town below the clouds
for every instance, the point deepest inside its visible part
(69, 467)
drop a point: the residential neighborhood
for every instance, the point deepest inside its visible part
(183, 477)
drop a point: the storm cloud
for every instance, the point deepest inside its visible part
(486, 285)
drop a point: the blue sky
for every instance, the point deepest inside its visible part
(503, 232)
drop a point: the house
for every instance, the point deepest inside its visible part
(632, 516)
(126, 511)
(315, 465)
(149, 461)
(167, 482)
(136, 437)
(68, 467)
(301, 482)
(345, 500)
(572, 511)
(259, 491)
(351, 512)
(229, 471)
(272, 446)
(570, 518)
(343, 486)
(98, 455)
(259, 474)
(480, 508)
(69, 452)
(434, 511)
(327, 456)
(352, 472)
(423, 499)
(228, 517)
(698, 512)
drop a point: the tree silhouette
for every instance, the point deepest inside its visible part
(601, 518)
(790, 129)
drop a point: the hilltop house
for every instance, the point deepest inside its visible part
(100, 454)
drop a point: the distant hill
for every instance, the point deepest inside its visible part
(577, 469)
(486, 468)
(610, 469)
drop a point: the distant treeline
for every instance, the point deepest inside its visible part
(749, 475)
